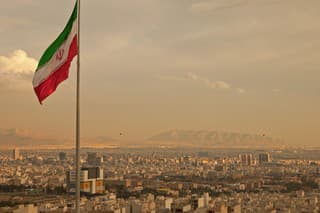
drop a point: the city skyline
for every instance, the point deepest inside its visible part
(142, 180)
(149, 67)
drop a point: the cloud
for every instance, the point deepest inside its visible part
(17, 63)
(240, 90)
(17, 69)
(192, 76)
(208, 83)
(209, 5)
(213, 84)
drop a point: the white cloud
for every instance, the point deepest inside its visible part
(213, 84)
(240, 90)
(192, 76)
(201, 6)
(208, 83)
(16, 70)
(209, 5)
(17, 63)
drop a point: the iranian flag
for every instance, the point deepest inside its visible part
(53, 67)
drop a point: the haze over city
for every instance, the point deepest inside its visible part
(159, 106)
(151, 66)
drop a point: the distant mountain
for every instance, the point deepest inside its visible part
(22, 138)
(210, 138)
(10, 138)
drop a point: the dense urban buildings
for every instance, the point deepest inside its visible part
(62, 156)
(91, 180)
(162, 180)
(264, 158)
(15, 154)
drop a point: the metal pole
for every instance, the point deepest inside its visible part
(78, 117)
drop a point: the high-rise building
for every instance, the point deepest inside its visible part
(136, 207)
(91, 180)
(94, 159)
(197, 202)
(91, 159)
(16, 154)
(167, 203)
(206, 198)
(250, 159)
(62, 156)
(264, 158)
(246, 159)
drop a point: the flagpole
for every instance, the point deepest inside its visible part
(78, 117)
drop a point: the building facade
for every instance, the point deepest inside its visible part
(91, 180)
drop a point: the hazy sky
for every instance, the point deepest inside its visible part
(153, 65)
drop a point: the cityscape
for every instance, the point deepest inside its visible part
(159, 106)
(162, 180)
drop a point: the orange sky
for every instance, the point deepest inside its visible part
(153, 65)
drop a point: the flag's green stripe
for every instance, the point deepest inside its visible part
(58, 42)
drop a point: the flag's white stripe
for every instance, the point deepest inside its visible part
(46, 70)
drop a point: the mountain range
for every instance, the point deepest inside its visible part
(10, 138)
(212, 138)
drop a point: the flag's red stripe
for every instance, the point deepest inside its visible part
(48, 86)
